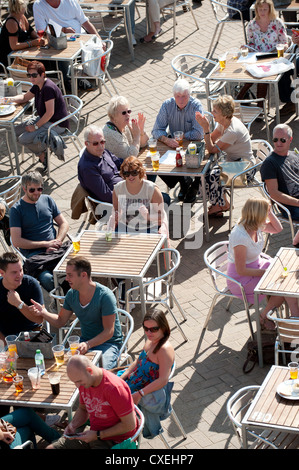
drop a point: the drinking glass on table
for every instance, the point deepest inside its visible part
(156, 161)
(19, 384)
(74, 342)
(11, 344)
(293, 368)
(152, 145)
(178, 136)
(40, 33)
(58, 352)
(280, 50)
(222, 61)
(75, 237)
(244, 51)
(34, 376)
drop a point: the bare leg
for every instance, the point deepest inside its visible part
(293, 306)
(272, 303)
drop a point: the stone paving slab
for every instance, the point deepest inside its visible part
(209, 365)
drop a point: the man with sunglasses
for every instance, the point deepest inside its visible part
(32, 224)
(98, 169)
(280, 171)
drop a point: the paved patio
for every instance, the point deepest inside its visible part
(208, 366)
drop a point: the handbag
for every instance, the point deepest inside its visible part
(230, 169)
(268, 342)
(92, 49)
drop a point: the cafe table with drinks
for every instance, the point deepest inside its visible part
(233, 66)
(23, 382)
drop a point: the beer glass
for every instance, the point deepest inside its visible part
(58, 352)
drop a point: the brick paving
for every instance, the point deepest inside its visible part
(208, 366)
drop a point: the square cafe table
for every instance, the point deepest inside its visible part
(269, 410)
(70, 54)
(173, 170)
(43, 397)
(235, 72)
(127, 256)
(274, 283)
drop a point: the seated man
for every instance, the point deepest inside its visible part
(98, 169)
(32, 224)
(280, 171)
(178, 114)
(16, 292)
(95, 306)
(106, 401)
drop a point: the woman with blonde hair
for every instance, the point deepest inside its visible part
(245, 263)
(16, 33)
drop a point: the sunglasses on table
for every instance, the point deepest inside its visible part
(33, 75)
(282, 140)
(32, 190)
(128, 173)
(102, 142)
(153, 329)
(126, 112)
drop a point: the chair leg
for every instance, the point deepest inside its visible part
(164, 441)
(176, 321)
(211, 310)
(178, 423)
(178, 306)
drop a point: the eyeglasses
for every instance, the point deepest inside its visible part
(153, 329)
(33, 75)
(97, 143)
(126, 112)
(32, 190)
(128, 173)
(282, 140)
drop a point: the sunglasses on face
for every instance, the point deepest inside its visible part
(282, 140)
(153, 329)
(32, 190)
(102, 142)
(126, 112)
(128, 173)
(33, 75)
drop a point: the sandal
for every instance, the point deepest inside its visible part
(267, 325)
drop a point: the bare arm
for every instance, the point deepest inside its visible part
(89, 27)
(14, 299)
(56, 320)
(20, 242)
(272, 187)
(240, 263)
(107, 333)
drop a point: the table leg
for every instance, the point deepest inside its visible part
(244, 437)
(276, 94)
(205, 207)
(15, 148)
(258, 330)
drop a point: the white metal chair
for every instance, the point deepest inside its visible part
(287, 339)
(101, 211)
(3, 71)
(215, 259)
(195, 68)
(103, 21)
(237, 407)
(103, 73)
(74, 106)
(19, 72)
(172, 8)
(277, 209)
(261, 149)
(25, 445)
(11, 187)
(159, 290)
(221, 14)
(138, 434)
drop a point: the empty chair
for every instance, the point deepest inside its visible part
(236, 408)
(101, 211)
(215, 259)
(287, 339)
(10, 191)
(103, 20)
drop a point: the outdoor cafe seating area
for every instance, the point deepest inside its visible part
(216, 404)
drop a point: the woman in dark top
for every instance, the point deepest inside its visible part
(16, 33)
(50, 107)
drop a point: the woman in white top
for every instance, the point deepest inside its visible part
(229, 136)
(138, 203)
(124, 137)
(245, 263)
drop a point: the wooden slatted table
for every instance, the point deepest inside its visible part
(273, 282)
(269, 410)
(43, 397)
(127, 256)
(70, 54)
(173, 170)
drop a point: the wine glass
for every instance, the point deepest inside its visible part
(40, 34)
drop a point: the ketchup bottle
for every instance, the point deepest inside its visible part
(178, 157)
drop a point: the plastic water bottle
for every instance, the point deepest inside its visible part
(40, 361)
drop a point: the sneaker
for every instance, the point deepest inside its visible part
(134, 42)
(52, 420)
(86, 85)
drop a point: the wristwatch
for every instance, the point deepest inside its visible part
(36, 127)
(21, 305)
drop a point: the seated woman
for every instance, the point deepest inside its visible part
(150, 372)
(16, 33)
(124, 137)
(50, 107)
(138, 203)
(245, 263)
(264, 32)
(229, 136)
(27, 424)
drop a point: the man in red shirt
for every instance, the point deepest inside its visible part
(106, 401)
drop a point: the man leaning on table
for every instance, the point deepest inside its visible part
(95, 306)
(106, 401)
(178, 114)
(280, 171)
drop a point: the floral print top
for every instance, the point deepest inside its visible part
(144, 373)
(265, 42)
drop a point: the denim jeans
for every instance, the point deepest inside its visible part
(28, 423)
(110, 353)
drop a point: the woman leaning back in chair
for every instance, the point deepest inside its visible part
(151, 370)
(230, 136)
(16, 33)
(50, 107)
(245, 263)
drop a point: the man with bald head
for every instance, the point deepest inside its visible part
(105, 400)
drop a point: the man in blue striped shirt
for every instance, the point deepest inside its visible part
(178, 114)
